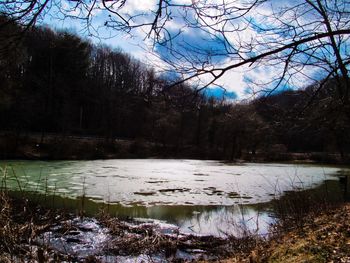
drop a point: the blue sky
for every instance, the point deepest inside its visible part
(195, 44)
(219, 93)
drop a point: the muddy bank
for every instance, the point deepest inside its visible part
(29, 232)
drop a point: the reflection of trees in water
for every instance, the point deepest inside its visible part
(345, 183)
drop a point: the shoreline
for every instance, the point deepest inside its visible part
(322, 235)
(59, 147)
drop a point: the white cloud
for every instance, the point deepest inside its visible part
(132, 7)
(234, 81)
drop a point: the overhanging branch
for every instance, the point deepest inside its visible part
(252, 60)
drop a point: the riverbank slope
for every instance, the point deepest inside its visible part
(322, 237)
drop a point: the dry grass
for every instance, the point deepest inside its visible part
(20, 223)
(324, 237)
(144, 239)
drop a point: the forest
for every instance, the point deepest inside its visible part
(55, 85)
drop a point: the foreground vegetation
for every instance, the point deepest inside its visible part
(28, 233)
(305, 233)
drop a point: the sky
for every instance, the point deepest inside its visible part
(192, 44)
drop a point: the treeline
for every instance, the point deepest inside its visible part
(56, 83)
